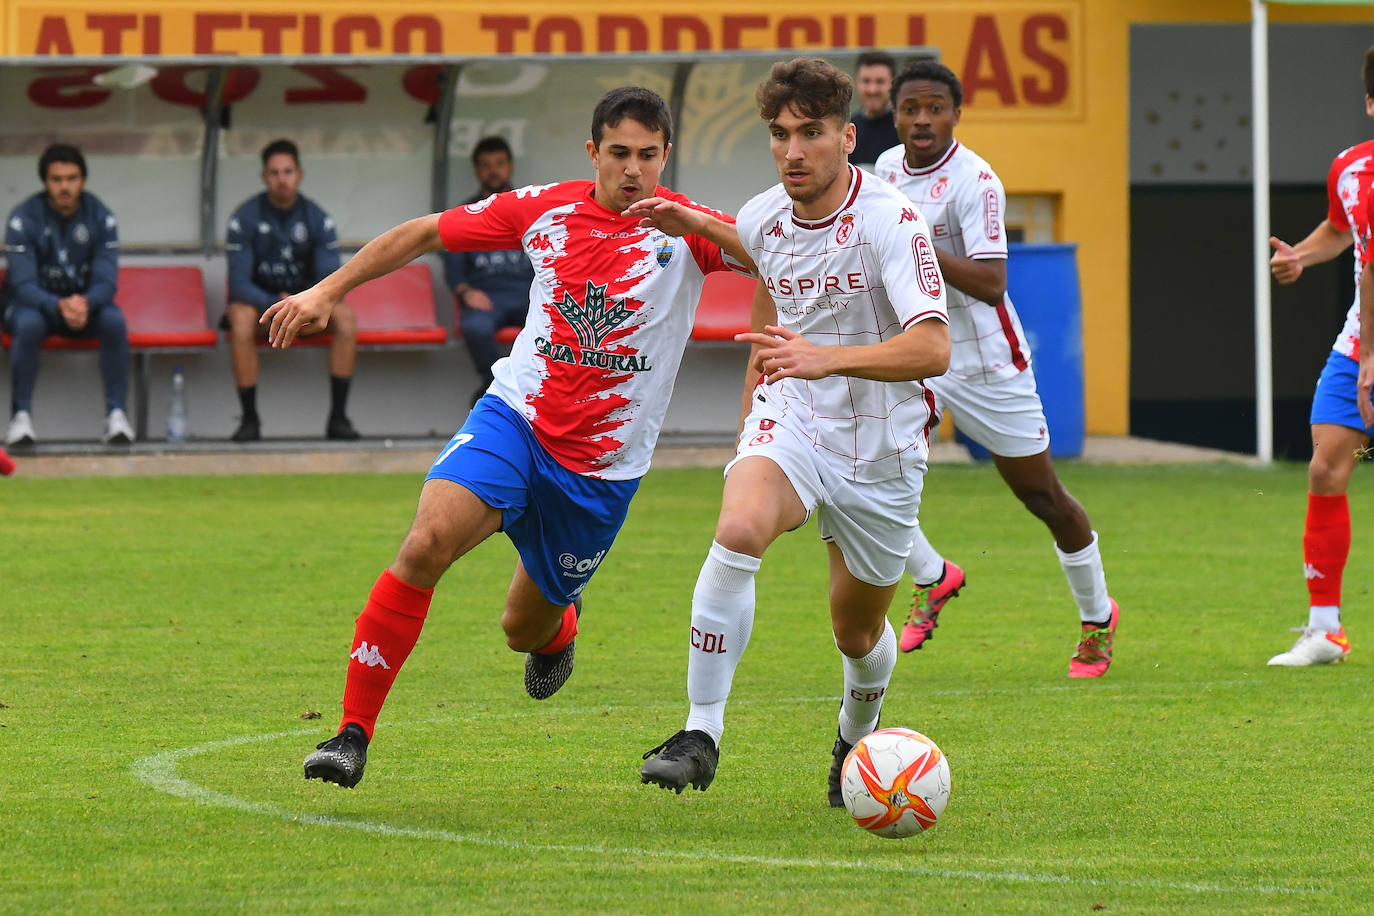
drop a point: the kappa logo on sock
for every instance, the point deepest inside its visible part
(368, 655)
(1311, 572)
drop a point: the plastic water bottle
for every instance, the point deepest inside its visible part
(176, 408)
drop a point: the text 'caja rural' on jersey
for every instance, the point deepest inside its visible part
(860, 276)
(1350, 201)
(611, 310)
(962, 199)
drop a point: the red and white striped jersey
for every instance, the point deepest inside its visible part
(862, 275)
(611, 309)
(962, 199)
(1350, 199)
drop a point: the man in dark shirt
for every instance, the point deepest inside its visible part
(874, 128)
(492, 287)
(280, 242)
(62, 245)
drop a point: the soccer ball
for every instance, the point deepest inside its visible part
(895, 782)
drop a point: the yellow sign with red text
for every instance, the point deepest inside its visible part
(1015, 59)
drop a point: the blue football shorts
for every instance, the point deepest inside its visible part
(562, 523)
(1336, 400)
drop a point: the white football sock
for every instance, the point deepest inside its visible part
(722, 619)
(865, 682)
(1324, 617)
(924, 562)
(1087, 581)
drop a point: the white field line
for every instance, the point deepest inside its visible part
(160, 772)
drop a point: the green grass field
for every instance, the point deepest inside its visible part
(173, 647)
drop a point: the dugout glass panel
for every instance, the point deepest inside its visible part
(362, 132)
(142, 146)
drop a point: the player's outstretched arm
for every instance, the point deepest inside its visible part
(310, 310)
(1365, 383)
(675, 219)
(1322, 244)
(921, 351)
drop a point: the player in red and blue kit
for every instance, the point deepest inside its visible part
(1339, 431)
(553, 452)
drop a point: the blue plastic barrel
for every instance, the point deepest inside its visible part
(1042, 282)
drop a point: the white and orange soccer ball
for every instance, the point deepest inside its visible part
(895, 782)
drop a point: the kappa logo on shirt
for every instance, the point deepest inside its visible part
(776, 232)
(541, 242)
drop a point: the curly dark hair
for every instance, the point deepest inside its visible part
(935, 72)
(814, 87)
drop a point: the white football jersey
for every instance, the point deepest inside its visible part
(863, 274)
(962, 199)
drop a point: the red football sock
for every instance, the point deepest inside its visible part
(566, 632)
(1325, 547)
(386, 631)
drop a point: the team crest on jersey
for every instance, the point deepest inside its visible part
(938, 189)
(298, 233)
(593, 320)
(927, 268)
(845, 229)
(663, 253)
(80, 234)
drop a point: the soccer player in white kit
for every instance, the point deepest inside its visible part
(990, 385)
(848, 319)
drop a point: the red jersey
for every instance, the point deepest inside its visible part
(611, 310)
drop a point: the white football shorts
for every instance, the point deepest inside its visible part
(871, 523)
(1005, 417)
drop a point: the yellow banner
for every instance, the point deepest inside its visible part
(1019, 58)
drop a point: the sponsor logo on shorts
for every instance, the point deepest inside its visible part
(577, 566)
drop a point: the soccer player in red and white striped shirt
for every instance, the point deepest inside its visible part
(553, 452)
(1340, 426)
